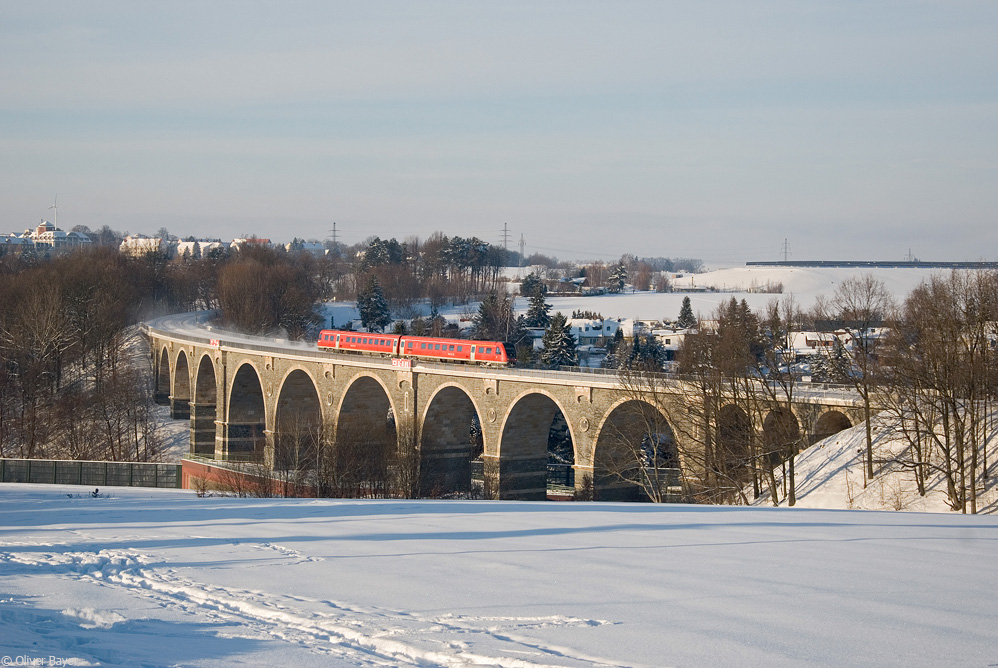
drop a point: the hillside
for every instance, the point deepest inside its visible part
(830, 474)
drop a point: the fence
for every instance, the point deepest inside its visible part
(70, 472)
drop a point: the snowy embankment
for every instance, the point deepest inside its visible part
(830, 474)
(162, 578)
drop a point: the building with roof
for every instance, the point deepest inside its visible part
(137, 245)
(46, 236)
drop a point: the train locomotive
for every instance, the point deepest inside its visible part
(485, 353)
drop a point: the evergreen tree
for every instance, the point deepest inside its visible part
(559, 344)
(618, 278)
(646, 354)
(532, 285)
(374, 312)
(494, 320)
(686, 318)
(538, 312)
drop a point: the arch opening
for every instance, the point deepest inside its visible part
(180, 400)
(204, 408)
(521, 471)
(830, 423)
(245, 430)
(732, 460)
(451, 446)
(364, 460)
(780, 437)
(298, 430)
(162, 396)
(636, 456)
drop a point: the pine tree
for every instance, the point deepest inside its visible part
(646, 354)
(618, 278)
(538, 312)
(374, 312)
(559, 344)
(686, 318)
(532, 285)
(494, 320)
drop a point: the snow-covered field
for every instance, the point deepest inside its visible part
(162, 578)
(804, 284)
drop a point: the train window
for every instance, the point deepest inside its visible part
(488, 351)
(451, 348)
(422, 346)
(460, 348)
(436, 347)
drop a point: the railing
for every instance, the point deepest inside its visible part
(72, 472)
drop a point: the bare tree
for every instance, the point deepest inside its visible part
(863, 304)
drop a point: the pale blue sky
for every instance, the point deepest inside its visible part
(856, 130)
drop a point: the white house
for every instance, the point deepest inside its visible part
(310, 247)
(252, 241)
(589, 331)
(47, 234)
(138, 245)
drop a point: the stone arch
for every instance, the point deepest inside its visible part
(828, 423)
(205, 382)
(297, 423)
(163, 378)
(365, 444)
(447, 444)
(523, 448)
(733, 452)
(247, 419)
(781, 436)
(180, 399)
(204, 407)
(636, 455)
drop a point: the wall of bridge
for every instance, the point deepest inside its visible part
(248, 404)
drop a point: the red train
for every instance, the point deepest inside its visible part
(489, 353)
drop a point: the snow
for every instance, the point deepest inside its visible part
(830, 474)
(164, 578)
(803, 284)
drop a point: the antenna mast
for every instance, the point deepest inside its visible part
(786, 250)
(505, 236)
(55, 216)
(335, 243)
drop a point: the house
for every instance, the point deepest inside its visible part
(202, 246)
(671, 340)
(13, 243)
(138, 245)
(47, 234)
(252, 241)
(310, 247)
(588, 331)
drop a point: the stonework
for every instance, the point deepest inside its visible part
(242, 403)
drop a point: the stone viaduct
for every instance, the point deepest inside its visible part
(245, 395)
